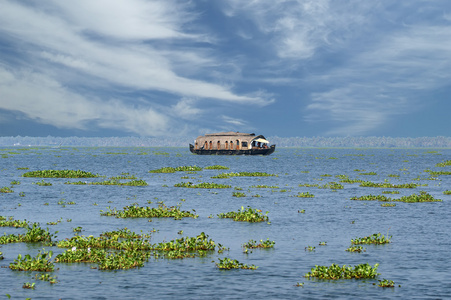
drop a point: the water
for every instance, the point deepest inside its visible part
(416, 258)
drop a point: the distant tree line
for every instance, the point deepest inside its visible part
(320, 142)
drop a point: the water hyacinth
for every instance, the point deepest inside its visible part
(227, 264)
(246, 215)
(335, 272)
(162, 211)
(40, 263)
(60, 174)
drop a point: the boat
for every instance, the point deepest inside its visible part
(231, 143)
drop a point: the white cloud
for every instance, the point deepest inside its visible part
(44, 100)
(381, 83)
(116, 45)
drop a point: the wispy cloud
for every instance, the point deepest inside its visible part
(130, 45)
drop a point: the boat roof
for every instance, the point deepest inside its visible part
(231, 136)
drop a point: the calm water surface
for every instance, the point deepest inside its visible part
(417, 258)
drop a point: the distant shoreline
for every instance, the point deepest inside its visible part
(304, 142)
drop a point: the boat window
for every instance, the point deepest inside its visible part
(218, 145)
(244, 144)
(211, 145)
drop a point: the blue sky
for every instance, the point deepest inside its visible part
(185, 68)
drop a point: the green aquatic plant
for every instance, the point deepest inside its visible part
(227, 264)
(331, 185)
(10, 222)
(136, 182)
(46, 277)
(262, 244)
(376, 238)
(388, 185)
(263, 186)
(386, 283)
(60, 174)
(28, 285)
(444, 164)
(39, 263)
(34, 234)
(43, 183)
(310, 248)
(304, 195)
(6, 190)
(243, 174)
(388, 205)
(216, 167)
(189, 244)
(162, 211)
(177, 169)
(414, 198)
(356, 249)
(447, 192)
(124, 233)
(202, 185)
(15, 182)
(238, 194)
(335, 272)
(390, 192)
(368, 173)
(123, 260)
(246, 215)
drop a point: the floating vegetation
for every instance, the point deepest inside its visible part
(262, 186)
(216, 167)
(371, 198)
(323, 243)
(124, 233)
(335, 272)
(386, 283)
(43, 183)
(304, 195)
(444, 164)
(238, 194)
(246, 215)
(437, 173)
(34, 234)
(447, 192)
(186, 244)
(414, 198)
(46, 277)
(28, 285)
(368, 173)
(177, 169)
(310, 248)
(162, 211)
(348, 180)
(390, 192)
(263, 244)
(376, 238)
(331, 185)
(243, 174)
(15, 182)
(60, 174)
(388, 185)
(39, 263)
(203, 185)
(393, 175)
(6, 190)
(227, 264)
(388, 205)
(356, 249)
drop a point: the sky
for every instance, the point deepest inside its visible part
(185, 68)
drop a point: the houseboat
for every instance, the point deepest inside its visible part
(231, 143)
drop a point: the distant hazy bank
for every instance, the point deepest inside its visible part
(358, 142)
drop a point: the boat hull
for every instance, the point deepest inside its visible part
(259, 151)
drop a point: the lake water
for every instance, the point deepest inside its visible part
(417, 257)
